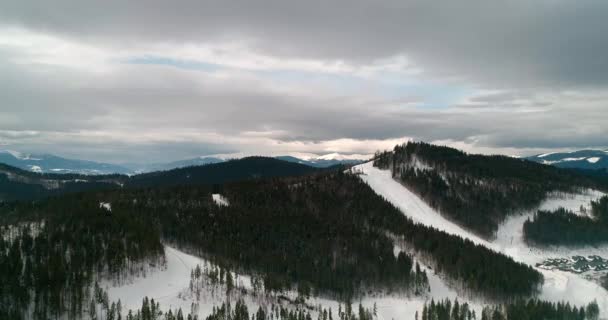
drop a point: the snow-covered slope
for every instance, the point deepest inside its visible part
(584, 159)
(326, 160)
(558, 286)
(170, 287)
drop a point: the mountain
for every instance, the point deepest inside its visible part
(391, 232)
(327, 160)
(582, 159)
(19, 184)
(48, 163)
(478, 191)
(163, 166)
(219, 173)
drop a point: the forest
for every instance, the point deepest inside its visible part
(241, 312)
(477, 191)
(520, 309)
(328, 231)
(564, 227)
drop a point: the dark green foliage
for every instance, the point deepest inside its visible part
(327, 229)
(17, 184)
(151, 311)
(240, 312)
(48, 267)
(565, 227)
(233, 170)
(537, 309)
(520, 309)
(321, 229)
(445, 310)
(476, 191)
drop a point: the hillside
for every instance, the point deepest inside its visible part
(218, 173)
(326, 233)
(558, 285)
(478, 191)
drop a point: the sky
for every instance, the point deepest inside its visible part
(149, 81)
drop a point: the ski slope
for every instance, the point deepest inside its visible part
(170, 288)
(558, 286)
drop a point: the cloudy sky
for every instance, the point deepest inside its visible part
(164, 80)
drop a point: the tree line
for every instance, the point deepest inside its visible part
(564, 227)
(520, 309)
(48, 268)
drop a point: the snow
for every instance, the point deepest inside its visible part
(220, 200)
(170, 287)
(593, 159)
(573, 159)
(105, 205)
(409, 203)
(338, 156)
(558, 286)
(564, 160)
(36, 169)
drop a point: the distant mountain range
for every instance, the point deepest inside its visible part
(48, 163)
(582, 159)
(327, 160)
(19, 184)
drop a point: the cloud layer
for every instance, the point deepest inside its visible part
(159, 80)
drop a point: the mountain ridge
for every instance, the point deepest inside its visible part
(580, 159)
(49, 163)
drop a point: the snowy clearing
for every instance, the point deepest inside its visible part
(220, 200)
(558, 286)
(105, 205)
(170, 287)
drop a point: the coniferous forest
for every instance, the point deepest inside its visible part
(567, 228)
(477, 191)
(520, 309)
(329, 231)
(321, 233)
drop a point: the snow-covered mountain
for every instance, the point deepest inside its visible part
(48, 163)
(583, 159)
(327, 160)
(509, 240)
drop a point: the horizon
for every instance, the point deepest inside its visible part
(298, 155)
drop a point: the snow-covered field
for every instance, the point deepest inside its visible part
(558, 286)
(220, 200)
(170, 287)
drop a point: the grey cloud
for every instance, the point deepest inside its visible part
(506, 44)
(532, 50)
